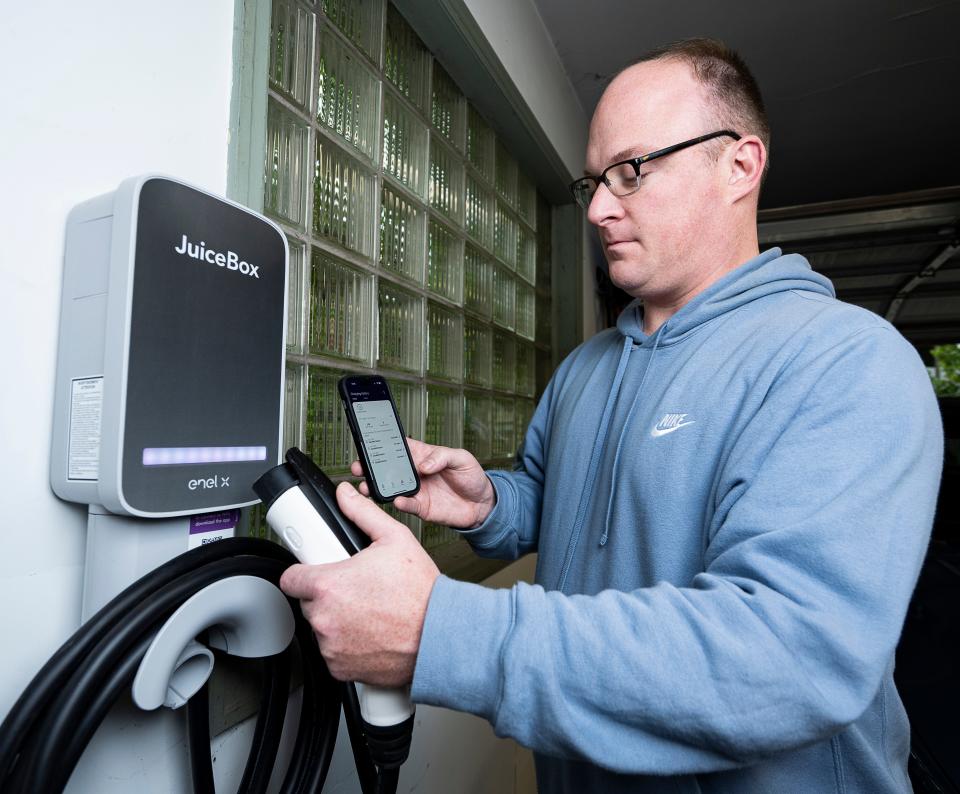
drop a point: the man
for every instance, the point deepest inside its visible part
(730, 493)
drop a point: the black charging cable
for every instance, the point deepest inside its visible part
(50, 725)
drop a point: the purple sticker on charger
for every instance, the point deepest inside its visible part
(214, 522)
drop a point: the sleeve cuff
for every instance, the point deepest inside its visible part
(459, 662)
(502, 519)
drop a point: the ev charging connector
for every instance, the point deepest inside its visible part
(301, 508)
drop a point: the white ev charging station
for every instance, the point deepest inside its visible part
(168, 408)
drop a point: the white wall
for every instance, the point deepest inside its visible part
(517, 34)
(92, 93)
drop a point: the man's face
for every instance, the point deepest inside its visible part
(656, 240)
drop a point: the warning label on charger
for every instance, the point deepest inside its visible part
(210, 527)
(86, 408)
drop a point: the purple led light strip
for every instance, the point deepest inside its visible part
(180, 456)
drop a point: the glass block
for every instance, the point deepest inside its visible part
(477, 431)
(526, 369)
(504, 435)
(295, 296)
(506, 232)
(522, 414)
(342, 199)
(341, 309)
(504, 361)
(445, 262)
(401, 236)
(478, 212)
(525, 310)
(409, 399)
(477, 352)
(285, 166)
(504, 297)
(359, 21)
(346, 95)
(480, 144)
(447, 107)
(293, 406)
(400, 328)
(327, 436)
(435, 536)
(406, 62)
(404, 149)
(506, 175)
(446, 181)
(257, 526)
(544, 245)
(444, 342)
(526, 200)
(526, 254)
(477, 281)
(444, 417)
(544, 330)
(291, 50)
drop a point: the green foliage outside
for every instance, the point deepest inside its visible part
(945, 374)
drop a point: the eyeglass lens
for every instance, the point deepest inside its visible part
(623, 179)
(583, 191)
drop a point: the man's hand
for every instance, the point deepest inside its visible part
(454, 489)
(368, 611)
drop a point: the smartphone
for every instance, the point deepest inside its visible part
(379, 437)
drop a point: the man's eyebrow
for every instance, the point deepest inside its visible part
(627, 154)
(624, 154)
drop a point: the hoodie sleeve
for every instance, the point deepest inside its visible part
(821, 519)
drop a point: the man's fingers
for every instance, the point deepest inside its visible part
(408, 504)
(356, 469)
(295, 581)
(365, 514)
(422, 452)
(364, 488)
(431, 459)
(439, 459)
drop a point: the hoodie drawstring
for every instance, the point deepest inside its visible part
(623, 435)
(588, 481)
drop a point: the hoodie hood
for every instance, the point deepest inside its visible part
(768, 273)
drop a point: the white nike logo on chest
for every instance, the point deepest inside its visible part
(669, 424)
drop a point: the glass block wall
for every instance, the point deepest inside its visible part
(419, 247)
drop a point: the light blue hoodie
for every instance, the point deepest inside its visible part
(730, 516)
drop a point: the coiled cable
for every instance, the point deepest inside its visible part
(48, 728)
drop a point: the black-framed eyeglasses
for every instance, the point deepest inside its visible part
(623, 178)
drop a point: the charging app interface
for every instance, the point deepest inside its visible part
(383, 440)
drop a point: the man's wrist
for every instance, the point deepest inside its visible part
(485, 508)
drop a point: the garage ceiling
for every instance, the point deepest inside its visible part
(895, 255)
(862, 100)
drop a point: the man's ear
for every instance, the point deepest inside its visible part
(747, 158)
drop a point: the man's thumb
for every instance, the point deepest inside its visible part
(365, 514)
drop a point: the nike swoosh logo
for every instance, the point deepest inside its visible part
(657, 432)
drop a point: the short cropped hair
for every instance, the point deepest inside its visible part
(732, 90)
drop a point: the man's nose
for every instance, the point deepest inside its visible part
(604, 206)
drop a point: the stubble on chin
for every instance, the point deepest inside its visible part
(627, 274)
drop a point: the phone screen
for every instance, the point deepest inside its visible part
(377, 429)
